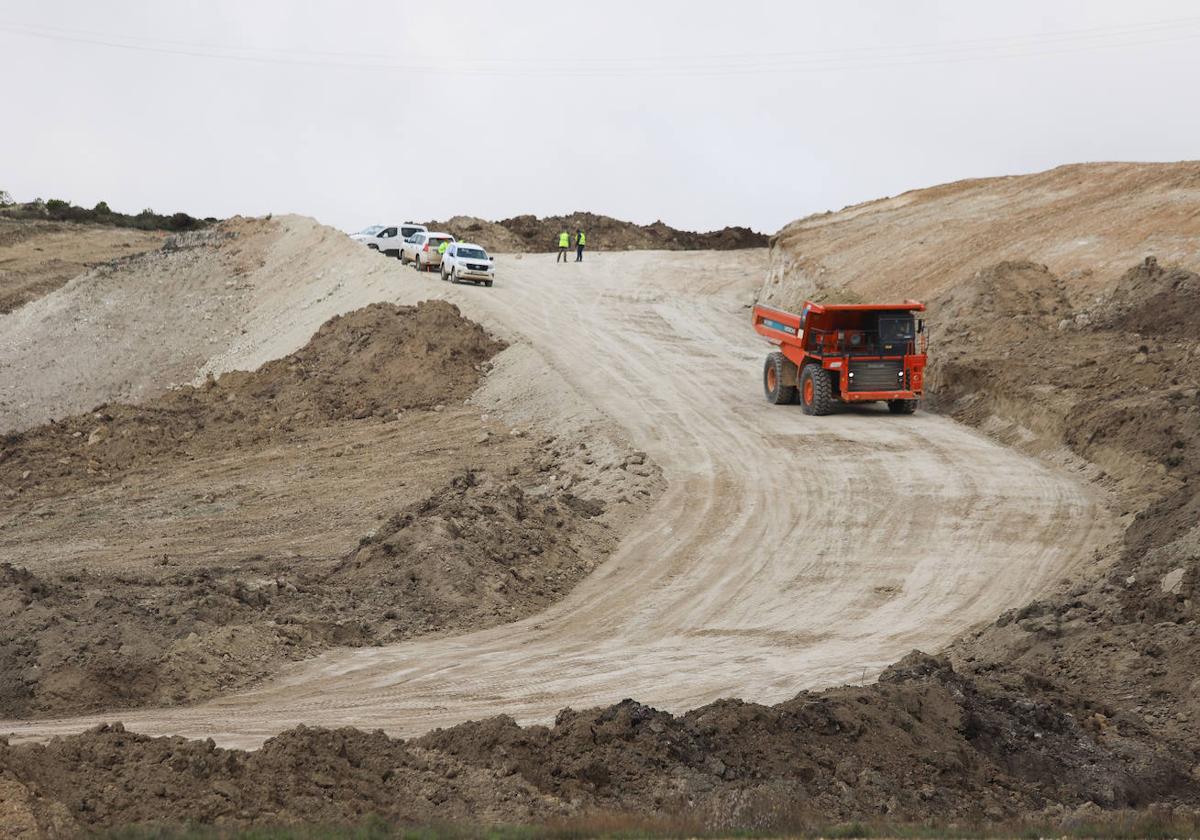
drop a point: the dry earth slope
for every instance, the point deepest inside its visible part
(1086, 222)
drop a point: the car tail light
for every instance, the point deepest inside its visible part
(426, 249)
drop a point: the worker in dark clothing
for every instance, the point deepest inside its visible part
(580, 241)
(564, 244)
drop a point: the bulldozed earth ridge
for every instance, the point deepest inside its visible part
(165, 552)
(925, 743)
(529, 233)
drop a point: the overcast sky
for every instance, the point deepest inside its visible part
(702, 114)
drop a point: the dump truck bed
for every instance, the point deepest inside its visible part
(864, 352)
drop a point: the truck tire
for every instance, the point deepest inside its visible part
(902, 406)
(417, 262)
(816, 391)
(778, 370)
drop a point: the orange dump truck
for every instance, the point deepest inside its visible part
(847, 352)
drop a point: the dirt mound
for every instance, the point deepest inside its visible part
(493, 544)
(371, 363)
(231, 297)
(531, 234)
(38, 257)
(1086, 222)
(1157, 302)
(475, 553)
(924, 743)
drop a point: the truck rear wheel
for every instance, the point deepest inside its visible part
(777, 372)
(816, 391)
(902, 406)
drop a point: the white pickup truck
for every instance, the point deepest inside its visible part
(466, 261)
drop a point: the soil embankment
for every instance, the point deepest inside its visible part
(1080, 348)
(1086, 222)
(523, 234)
(925, 744)
(1110, 385)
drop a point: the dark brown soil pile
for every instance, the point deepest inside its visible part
(531, 234)
(473, 552)
(477, 553)
(369, 363)
(1114, 384)
(925, 742)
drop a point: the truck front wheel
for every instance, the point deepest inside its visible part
(816, 391)
(902, 406)
(779, 378)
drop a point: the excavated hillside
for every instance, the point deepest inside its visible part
(1113, 387)
(523, 234)
(1086, 222)
(1080, 346)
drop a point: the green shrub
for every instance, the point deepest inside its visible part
(56, 209)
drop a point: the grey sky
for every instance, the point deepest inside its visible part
(702, 114)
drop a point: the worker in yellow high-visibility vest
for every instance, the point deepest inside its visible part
(580, 241)
(564, 243)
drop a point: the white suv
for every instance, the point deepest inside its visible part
(421, 249)
(465, 261)
(390, 240)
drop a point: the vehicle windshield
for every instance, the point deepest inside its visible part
(371, 231)
(472, 253)
(897, 329)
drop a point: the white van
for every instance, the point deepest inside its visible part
(389, 240)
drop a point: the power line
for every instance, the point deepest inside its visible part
(850, 58)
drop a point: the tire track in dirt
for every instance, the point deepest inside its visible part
(788, 552)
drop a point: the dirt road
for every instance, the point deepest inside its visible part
(788, 552)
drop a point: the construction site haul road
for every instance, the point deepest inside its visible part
(782, 553)
(377, 544)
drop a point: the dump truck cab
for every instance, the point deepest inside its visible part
(845, 352)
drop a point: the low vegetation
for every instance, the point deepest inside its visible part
(58, 210)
